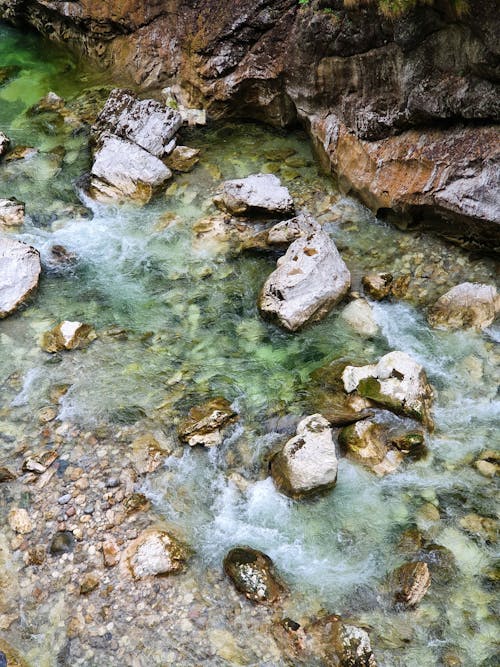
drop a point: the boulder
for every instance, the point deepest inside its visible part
(122, 170)
(11, 212)
(309, 280)
(19, 274)
(282, 234)
(183, 158)
(359, 315)
(4, 144)
(471, 305)
(205, 423)
(252, 573)
(146, 123)
(155, 552)
(377, 285)
(307, 464)
(410, 582)
(67, 336)
(397, 382)
(259, 194)
(365, 442)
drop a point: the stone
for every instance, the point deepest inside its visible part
(89, 583)
(68, 335)
(282, 233)
(124, 171)
(410, 582)
(39, 462)
(11, 213)
(110, 553)
(20, 270)
(397, 382)
(259, 194)
(488, 463)
(10, 656)
(359, 315)
(4, 144)
(8, 72)
(309, 280)
(6, 475)
(364, 442)
(20, 153)
(146, 123)
(63, 542)
(19, 520)
(252, 573)
(308, 463)
(377, 285)
(155, 552)
(480, 526)
(36, 555)
(147, 454)
(136, 502)
(205, 423)
(183, 158)
(468, 305)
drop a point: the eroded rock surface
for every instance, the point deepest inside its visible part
(309, 280)
(252, 573)
(469, 305)
(259, 194)
(19, 274)
(205, 423)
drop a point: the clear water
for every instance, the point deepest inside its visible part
(188, 307)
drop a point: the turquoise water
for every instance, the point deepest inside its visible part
(185, 311)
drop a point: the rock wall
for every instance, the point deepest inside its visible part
(403, 111)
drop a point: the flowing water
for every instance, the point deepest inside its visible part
(177, 322)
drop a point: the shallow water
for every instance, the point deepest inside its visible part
(178, 323)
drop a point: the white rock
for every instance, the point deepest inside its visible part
(308, 462)
(19, 274)
(68, 335)
(4, 143)
(19, 520)
(359, 315)
(11, 212)
(154, 552)
(472, 305)
(259, 194)
(310, 279)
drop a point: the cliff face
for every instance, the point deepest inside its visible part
(403, 111)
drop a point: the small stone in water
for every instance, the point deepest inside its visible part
(63, 542)
(252, 573)
(64, 499)
(20, 521)
(112, 482)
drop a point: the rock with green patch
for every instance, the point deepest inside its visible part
(252, 573)
(68, 335)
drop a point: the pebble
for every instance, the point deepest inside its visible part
(64, 499)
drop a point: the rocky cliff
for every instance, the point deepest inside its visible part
(402, 110)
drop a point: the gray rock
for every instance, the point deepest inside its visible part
(310, 279)
(11, 212)
(307, 464)
(259, 194)
(4, 143)
(147, 123)
(19, 274)
(123, 170)
(473, 305)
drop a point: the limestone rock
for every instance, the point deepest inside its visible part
(411, 582)
(252, 573)
(11, 212)
(205, 423)
(359, 315)
(397, 382)
(146, 123)
(155, 552)
(4, 144)
(183, 158)
(147, 454)
(308, 281)
(481, 526)
(122, 170)
(472, 305)
(19, 520)
(283, 233)
(377, 285)
(364, 442)
(307, 464)
(68, 335)
(259, 194)
(19, 274)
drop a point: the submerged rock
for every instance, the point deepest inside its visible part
(147, 454)
(183, 158)
(410, 582)
(252, 573)
(155, 552)
(10, 656)
(307, 464)
(359, 315)
(63, 542)
(123, 170)
(473, 305)
(6, 475)
(68, 336)
(19, 274)
(205, 423)
(377, 285)
(146, 123)
(397, 382)
(259, 194)
(481, 526)
(4, 144)
(309, 280)
(11, 212)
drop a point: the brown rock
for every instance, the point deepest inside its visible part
(469, 305)
(377, 285)
(252, 573)
(19, 520)
(147, 454)
(205, 423)
(6, 475)
(410, 583)
(89, 583)
(67, 336)
(183, 158)
(110, 553)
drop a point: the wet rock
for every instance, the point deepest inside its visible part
(480, 526)
(6, 475)
(377, 285)
(4, 144)
(8, 72)
(366, 442)
(283, 233)
(397, 382)
(307, 464)
(19, 274)
(63, 542)
(36, 555)
(441, 562)
(20, 153)
(147, 454)
(89, 583)
(155, 552)
(183, 158)
(110, 553)
(19, 520)
(205, 423)
(308, 281)
(488, 463)
(10, 656)
(61, 256)
(410, 583)
(11, 212)
(50, 102)
(68, 335)
(39, 462)
(359, 315)
(148, 124)
(259, 194)
(136, 502)
(252, 573)
(469, 305)
(122, 170)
